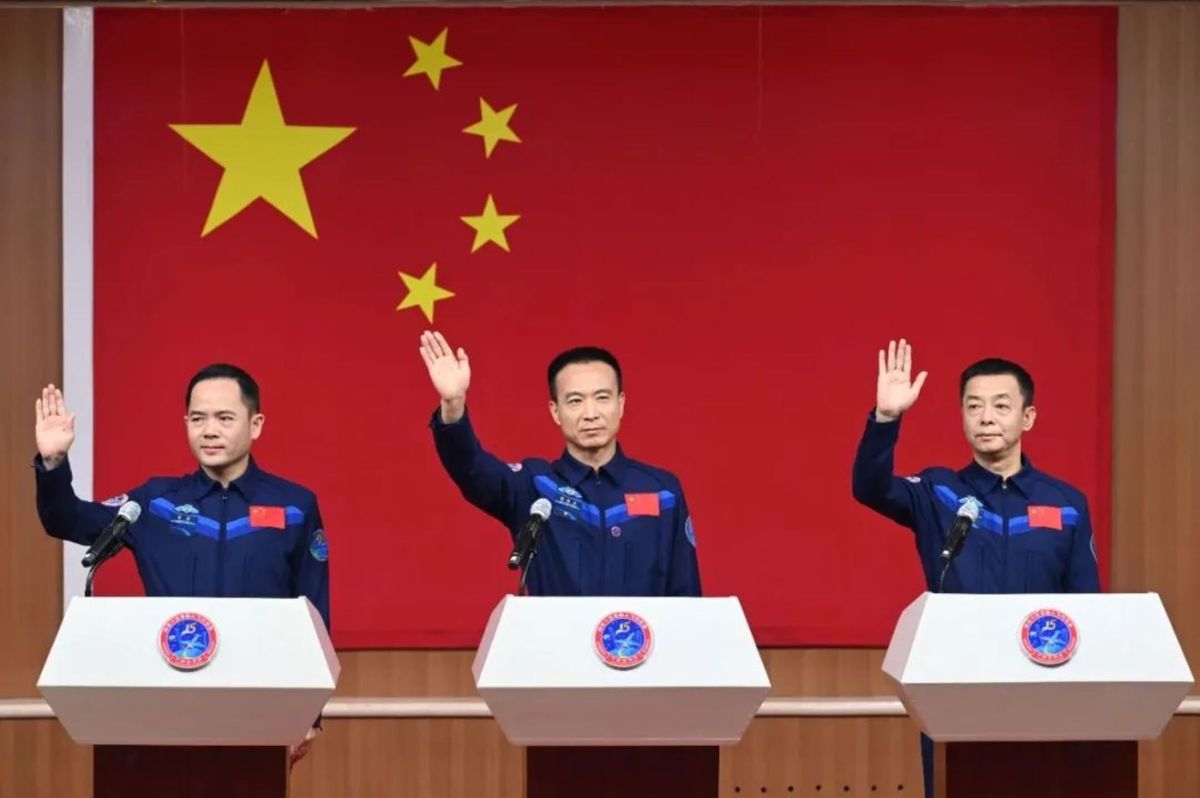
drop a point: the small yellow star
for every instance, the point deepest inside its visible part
(423, 292)
(493, 126)
(489, 226)
(431, 58)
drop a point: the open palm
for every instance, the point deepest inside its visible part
(896, 391)
(54, 426)
(449, 372)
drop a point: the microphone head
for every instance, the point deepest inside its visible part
(130, 511)
(969, 508)
(541, 508)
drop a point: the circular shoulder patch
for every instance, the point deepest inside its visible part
(515, 467)
(188, 641)
(116, 501)
(623, 640)
(319, 547)
(1049, 637)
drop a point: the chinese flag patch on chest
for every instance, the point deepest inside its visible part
(268, 517)
(642, 504)
(1045, 517)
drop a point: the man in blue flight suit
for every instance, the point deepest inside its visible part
(1034, 532)
(227, 529)
(618, 527)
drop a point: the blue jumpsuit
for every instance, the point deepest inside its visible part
(260, 537)
(622, 530)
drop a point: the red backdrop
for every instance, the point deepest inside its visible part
(743, 203)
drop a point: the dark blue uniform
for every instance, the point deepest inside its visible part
(622, 530)
(1034, 533)
(261, 537)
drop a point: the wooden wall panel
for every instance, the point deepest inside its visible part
(37, 758)
(30, 329)
(451, 758)
(822, 757)
(1156, 438)
(1170, 766)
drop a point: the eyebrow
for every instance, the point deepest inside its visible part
(581, 393)
(971, 396)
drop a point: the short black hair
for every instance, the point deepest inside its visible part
(218, 371)
(580, 354)
(994, 366)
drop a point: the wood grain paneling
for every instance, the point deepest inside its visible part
(452, 758)
(39, 760)
(1156, 429)
(30, 329)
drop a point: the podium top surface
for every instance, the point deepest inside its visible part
(261, 644)
(976, 638)
(549, 642)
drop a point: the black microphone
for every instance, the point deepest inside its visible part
(968, 514)
(527, 539)
(113, 537)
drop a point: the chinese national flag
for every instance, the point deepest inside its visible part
(268, 517)
(743, 203)
(1048, 517)
(642, 503)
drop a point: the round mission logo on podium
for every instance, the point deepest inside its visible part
(188, 641)
(623, 640)
(1049, 637)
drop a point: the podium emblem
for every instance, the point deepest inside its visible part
(1049, 637)
(623, 640)
(188, 641)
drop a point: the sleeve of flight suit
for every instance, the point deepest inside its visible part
(310, 563)
(63, 514)
(1083, 574)
(684, 577)
(484, 480)
(874, 484)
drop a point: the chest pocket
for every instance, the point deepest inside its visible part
(1044, 538)
(644, 568)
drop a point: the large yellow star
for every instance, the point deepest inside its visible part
(431, 58)
(489, 226)
(262, 157)
(493, 126)
(423, 292)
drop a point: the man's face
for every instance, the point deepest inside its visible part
(994, 414)
(219, 425)
(587, 404)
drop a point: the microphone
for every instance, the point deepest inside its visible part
(968, 514)
(527, 539)
(113, 537)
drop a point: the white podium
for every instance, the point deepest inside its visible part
(265, 679)
(963, 673)
(543, 676)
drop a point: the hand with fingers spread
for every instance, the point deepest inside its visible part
(54, 427)
(450, 373)
(896, 391)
